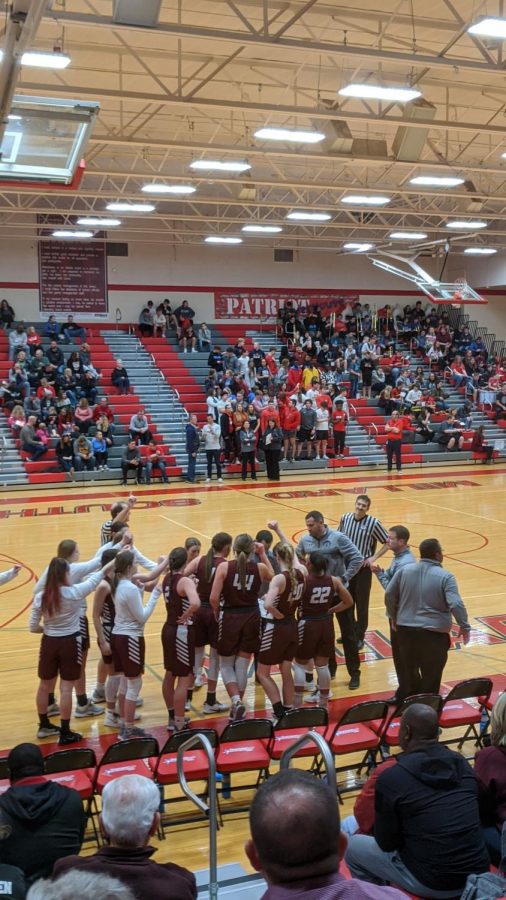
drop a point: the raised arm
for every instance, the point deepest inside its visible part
(276, 527)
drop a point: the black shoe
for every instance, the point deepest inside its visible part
(360, 645)
(69, 737)
(123, 483)
(354, 682)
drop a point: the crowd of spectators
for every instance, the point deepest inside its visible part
(295, 399)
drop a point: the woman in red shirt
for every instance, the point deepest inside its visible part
(291, 425)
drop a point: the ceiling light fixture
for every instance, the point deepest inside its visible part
(73, 234)
(459, 225)
(301, 216)
(408, 235)
(105, 223)
(480, 251)
(290, 135)
(358, 247)
(222, 239)
(436, 181)
(130, 207)
(168, 189)
(210, 165)
(377, 92)
(262, 229)
(366, 200)
(44, 60)
(489, 27)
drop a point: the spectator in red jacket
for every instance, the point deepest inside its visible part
(270, 412)
(293, 378)
(290, 425)
(103, 409)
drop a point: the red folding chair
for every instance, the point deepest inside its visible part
(359, 730)
(389, 733)
(196, 764)
(75, 768)
(458, 711)
(130, 757)
(293, 725)
(245, 746)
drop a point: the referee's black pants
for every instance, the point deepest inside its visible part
(360, 589)
(423, 656)
(350, 650)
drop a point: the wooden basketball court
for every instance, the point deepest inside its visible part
(463, 507)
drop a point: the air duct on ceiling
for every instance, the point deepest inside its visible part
(137, 12)
(409, 142)
(338, 137)
(369, 147)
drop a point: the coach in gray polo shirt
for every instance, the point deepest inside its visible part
(421, 600)
(344, 560)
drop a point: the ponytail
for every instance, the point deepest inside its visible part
(286, 554)
(243, 548)
(218, 544)
(55, 579)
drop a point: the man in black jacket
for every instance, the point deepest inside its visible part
(40, 821)
(192, 447)
(427, 834)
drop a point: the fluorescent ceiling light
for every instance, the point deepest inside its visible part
(262, 229)
(490, 27)
(214, 165)
(41, 60)
(301, 216)
(408, 235)
(169, 189)
(130, 207)
(466, 226)
(106, 223)
(289, 134)
(376, 92)
(366, 199)
(358, 247)
(221, 239)
(436, 181)
(480, 251)
(73, 234)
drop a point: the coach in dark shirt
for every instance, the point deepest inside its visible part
(427, 833)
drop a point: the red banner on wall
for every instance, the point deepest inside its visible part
(254, 304)
(73, 278)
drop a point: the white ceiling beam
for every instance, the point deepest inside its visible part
(178, 30)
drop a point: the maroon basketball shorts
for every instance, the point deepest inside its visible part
(315, 637)
(61, 656)
(239, 631)
(205, 626)
(279, 642)
(178, 642)
(128, 654)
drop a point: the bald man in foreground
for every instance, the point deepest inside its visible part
(297, 843)
(427, 835)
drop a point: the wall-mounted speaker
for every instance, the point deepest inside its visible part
(282, 255)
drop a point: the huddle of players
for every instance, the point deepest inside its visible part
(210, 600)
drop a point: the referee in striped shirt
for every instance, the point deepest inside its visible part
(365, 531)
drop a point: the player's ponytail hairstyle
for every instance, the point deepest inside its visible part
(218, 544)
(286, 554)
(55, 579)
(318, 562)
(124, 561)
(66, 549)
(243, 548)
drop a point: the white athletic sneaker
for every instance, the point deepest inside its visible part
(127, 734)
(111, 719)
(200, 681)
(237, 711)
(53, 710)
(98, 696)
(220, 480)
(187, 706)
(89, 709)
(208, 481)
(211, 708)
(50, 731)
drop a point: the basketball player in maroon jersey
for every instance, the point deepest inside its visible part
(203, 568)
(103, 620)
(316, 625)
(237, 584)
(279, 636)
(178, 638)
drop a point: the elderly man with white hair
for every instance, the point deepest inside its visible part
(128, 819)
